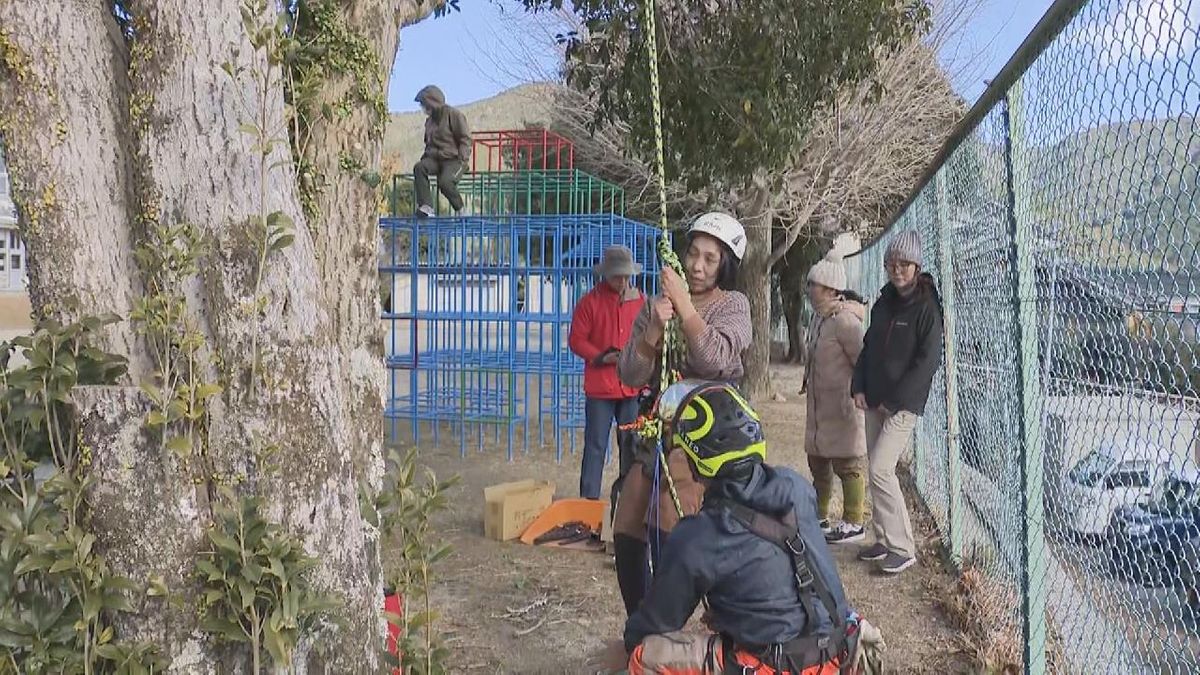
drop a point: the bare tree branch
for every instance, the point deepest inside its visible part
(861, 158)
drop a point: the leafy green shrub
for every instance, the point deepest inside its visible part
(402, 512)
(58, 596)
(255, 591)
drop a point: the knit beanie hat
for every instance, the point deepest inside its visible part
(829, 272)
(905, 246)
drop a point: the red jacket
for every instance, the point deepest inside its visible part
(603, 319)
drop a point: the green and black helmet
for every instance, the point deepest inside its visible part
(715, 426)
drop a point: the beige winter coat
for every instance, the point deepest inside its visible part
(833, 426)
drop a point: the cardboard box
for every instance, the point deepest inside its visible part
(509, 508)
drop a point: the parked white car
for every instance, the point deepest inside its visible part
(1109, 476)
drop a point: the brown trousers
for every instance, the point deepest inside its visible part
(633, 505)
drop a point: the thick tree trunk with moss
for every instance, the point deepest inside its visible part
(106, 138)
(61, 121)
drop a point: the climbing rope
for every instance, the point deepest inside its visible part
(650, 427)
(673, 345)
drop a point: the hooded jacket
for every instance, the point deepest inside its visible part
(447, 135)
(902, 348)
(749, 582)
(834, 428)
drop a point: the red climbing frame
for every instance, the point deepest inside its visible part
(521, 150)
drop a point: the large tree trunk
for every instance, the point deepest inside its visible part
(755, 281)
(64, 104)
(191, 125)
(103, 143)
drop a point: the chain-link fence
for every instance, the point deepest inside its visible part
(1058, 451)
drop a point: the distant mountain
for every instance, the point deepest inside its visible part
(1116, 196)
(515, 108)
(1127, 191)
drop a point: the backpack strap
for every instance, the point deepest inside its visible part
(785, 534)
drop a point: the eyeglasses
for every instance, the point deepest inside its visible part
(898, 265)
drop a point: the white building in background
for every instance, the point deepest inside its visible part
(12, 249)
(15, 310)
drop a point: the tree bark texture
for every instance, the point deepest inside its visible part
(148, 515)
(106, 137)
(64, 93)
(793, 278)
(755, 281)
(192, 113)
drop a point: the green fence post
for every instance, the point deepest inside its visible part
(944, 220)
(919, 454)
(1023, 260)
(919, 457)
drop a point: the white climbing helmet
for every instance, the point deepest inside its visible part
(725, 228)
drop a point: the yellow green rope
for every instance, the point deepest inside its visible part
(672, 338)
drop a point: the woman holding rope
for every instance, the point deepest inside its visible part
(714, 320)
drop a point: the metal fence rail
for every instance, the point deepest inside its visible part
(478, 311)
(1058, 450)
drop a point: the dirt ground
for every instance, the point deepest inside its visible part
(511, 608)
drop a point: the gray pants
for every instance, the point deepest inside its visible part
(887, 438)
(448, 172)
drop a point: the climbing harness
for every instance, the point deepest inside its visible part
(811, 588)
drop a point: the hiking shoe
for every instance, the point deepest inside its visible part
(894, 563)
(875, 551)
(846, 533)
(425, 211)
(825, 526)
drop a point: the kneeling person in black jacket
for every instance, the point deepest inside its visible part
(755, 550)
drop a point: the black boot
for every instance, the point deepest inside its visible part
(631, 570)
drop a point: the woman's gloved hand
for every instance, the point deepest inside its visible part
(867, 658)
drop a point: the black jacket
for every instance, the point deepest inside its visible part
(901, 349)
(748, 580)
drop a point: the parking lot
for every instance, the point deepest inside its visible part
(1100, 623)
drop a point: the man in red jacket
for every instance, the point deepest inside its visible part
(600, 328)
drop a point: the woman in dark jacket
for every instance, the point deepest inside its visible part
(901, 353)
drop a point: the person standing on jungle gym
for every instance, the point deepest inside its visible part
(447, 151)
(834, 437)
(901, 353)
(715, 322)
(600, 327)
